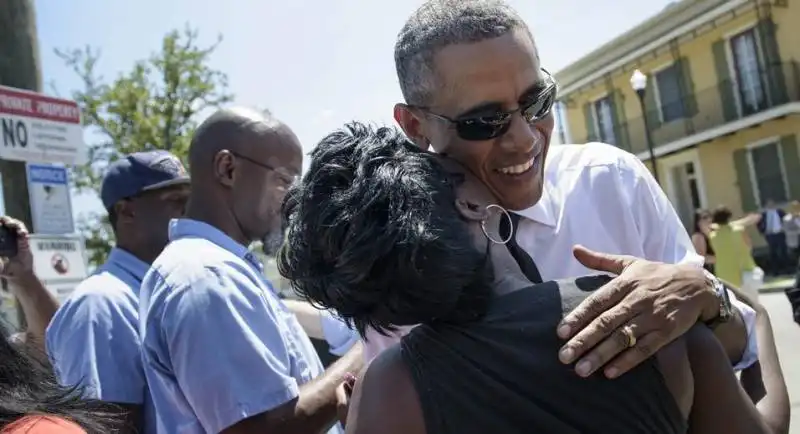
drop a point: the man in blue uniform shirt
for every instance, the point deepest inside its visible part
(221, 350)
(93, 339)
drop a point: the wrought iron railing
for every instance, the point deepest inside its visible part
(729, 100)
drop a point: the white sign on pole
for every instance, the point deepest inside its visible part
(58, 258)
(51, 207)
(62, 290)
(39, 128)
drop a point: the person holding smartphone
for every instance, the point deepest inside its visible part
(16, 266)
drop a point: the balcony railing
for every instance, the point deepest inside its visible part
(708, 108)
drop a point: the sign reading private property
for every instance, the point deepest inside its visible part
(40, 129)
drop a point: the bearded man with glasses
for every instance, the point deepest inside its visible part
(475, 90)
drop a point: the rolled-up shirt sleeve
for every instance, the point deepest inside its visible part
(93, 342)
(338, 334)
(226, 349)
(666, 240)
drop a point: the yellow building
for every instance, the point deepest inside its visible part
(721, 103)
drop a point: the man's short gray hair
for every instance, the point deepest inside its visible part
(438, 24)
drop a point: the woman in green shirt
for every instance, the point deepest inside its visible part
(733, 253)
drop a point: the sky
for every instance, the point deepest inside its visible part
(315, 64)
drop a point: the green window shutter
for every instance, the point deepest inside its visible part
(725, 83)
(743, 181)
(620, 124)
(776, 82)
(651, 110)
(791, 164)
(588, 117)
(687, 88)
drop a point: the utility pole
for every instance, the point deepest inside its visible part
(20, 67)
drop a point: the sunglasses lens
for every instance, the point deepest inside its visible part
(483, 128)
(540, 107)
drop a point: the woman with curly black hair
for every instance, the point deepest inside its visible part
(390, 235)
(32, 401)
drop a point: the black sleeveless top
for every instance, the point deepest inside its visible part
(502, 374)
(709, 252)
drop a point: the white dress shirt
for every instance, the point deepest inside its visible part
(605, 199)
(774, 224)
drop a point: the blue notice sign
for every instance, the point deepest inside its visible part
(51, 204)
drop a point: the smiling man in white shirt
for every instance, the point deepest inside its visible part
(474, 89)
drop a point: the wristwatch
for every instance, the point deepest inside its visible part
(725, 306)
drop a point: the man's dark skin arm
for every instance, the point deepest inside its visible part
(314, 410)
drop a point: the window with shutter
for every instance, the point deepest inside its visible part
(668, 88)
(769, 178)
(603, 111)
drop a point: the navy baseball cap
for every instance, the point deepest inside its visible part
(139, 172)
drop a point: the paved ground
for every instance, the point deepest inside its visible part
(787, 336)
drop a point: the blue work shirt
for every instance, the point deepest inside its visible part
(218, 345)
(93, 339)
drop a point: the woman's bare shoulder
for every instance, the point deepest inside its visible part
(373, 410)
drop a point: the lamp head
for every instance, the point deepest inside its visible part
(638, 81)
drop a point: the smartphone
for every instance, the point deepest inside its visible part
(8, 242)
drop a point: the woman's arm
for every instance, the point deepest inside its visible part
(763, 382)
(373, 410)
(748, 220)
(700, 245)
(720, 404)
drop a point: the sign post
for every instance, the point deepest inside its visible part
(42, 134)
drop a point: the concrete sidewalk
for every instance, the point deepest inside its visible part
(777, 284)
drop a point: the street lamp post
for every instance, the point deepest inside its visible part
(639, 85)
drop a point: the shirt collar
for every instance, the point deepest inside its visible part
(125, 260)
(542, 211)
(188, 228)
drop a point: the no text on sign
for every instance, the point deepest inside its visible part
(39, 128)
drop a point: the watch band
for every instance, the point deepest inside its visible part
(725, 306)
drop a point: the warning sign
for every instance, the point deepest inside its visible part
(58, 258)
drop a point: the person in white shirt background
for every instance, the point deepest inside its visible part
(771, 227)
(470, 95)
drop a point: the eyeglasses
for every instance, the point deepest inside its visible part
(288, 179)
(495, 125)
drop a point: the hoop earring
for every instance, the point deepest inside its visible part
(510, 225)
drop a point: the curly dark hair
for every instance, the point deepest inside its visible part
(721, 215)
(28, 386)
(373, 233)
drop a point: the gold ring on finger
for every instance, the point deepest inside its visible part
(631, 337)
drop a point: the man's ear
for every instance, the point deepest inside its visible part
(125, 212)
(411, 125)
(471, 211)
(224, 167)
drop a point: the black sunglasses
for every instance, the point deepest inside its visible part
(495, 125)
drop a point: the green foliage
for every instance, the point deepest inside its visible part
(155, 105)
